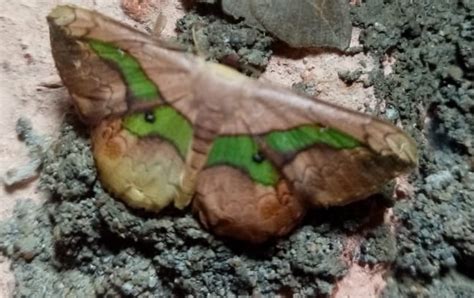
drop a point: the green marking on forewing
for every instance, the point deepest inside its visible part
(138, 82)
(303, 137)
(238, 152)
(168, 124)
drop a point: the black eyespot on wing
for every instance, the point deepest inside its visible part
(150, 117)
(258, 157)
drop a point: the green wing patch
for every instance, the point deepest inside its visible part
(244, 153)
(240, 152)
(164, 122)
(138, 82)
(303, 137)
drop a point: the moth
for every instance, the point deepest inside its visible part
(168, 128)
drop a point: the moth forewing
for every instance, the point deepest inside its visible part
(329, 154)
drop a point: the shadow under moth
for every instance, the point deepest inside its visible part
(168, 127)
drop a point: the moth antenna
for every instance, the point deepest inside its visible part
(199, 50)
(159, 26)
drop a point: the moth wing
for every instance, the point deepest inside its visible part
(111, 69)
(230, 204)
(328, 154)
(145, 172)
(299, 151)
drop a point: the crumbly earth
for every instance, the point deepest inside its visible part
(431, 85)
(235, 44)
(84, 243)
(81, 237)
